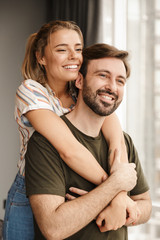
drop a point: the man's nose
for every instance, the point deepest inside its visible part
(111, 85)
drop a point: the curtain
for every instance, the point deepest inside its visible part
(84, 12)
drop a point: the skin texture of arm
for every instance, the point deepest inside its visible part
(114, 135)
(114, 215)
(115, 138)
(75, 155)
(71, 151)
(58, 219)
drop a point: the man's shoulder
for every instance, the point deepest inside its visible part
(40, 147)
(129, 144)
(37, 136)
(128, 138)
(40, 141)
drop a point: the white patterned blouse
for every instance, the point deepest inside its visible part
(31, 95)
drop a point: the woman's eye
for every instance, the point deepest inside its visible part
(79, 49)
(61, 50)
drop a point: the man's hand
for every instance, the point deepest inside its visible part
(133, 212)
(125, 172)
(122, 211)
(113, 216)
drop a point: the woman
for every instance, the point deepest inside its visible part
(52, 60)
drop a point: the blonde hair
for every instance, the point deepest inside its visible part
(37, 42)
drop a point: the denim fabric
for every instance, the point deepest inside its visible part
(18, 221)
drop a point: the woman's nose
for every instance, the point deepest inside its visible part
(72, 54)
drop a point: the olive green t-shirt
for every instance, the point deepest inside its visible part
(47, 173)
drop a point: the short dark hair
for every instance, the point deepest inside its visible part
(102, 50)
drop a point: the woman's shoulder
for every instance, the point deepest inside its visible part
(31, 95)
(32, 83)
(32, 86)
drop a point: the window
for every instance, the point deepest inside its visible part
(135, 25)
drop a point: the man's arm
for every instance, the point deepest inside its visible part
(145, 207)
(114, 216)
(58, 219)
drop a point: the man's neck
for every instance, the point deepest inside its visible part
(84, 119)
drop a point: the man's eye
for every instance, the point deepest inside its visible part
(102, 75)
(121, 81)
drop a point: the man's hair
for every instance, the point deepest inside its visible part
(98, 51)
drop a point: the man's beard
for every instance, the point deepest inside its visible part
(101, 108)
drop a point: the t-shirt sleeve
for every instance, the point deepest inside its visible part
(31, 95)
(142, 185)
(44, 172)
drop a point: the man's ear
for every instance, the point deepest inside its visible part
(79, 81)
(40, 59)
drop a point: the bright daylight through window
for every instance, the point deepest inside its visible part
(135, 25)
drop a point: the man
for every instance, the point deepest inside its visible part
(48, 178)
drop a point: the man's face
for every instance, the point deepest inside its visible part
(103, 86)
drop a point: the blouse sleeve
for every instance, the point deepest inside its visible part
(32, 95)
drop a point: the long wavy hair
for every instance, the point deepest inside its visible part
(37, 42)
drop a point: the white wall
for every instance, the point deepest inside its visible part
(18, 19)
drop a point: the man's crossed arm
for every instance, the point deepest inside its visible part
(58, 219)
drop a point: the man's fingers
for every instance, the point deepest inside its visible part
(133, 164)
(128, 221)
(77, 191)
(104, 178)
(99, 221)
(70, 197)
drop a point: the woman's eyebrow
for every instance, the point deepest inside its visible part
(65, 44)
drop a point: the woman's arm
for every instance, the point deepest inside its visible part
(75, 155)
(113, 133)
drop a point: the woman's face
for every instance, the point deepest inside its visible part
(63, 56)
